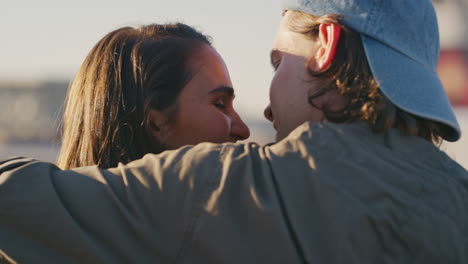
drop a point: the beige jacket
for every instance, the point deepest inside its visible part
(326, 194)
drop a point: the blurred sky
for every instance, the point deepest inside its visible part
(452, 18)
(49, 39)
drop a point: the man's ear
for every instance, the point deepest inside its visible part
(329, 37)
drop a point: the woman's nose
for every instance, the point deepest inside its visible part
(239, 129)
(268, 113)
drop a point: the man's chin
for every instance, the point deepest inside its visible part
(282, 134)
(279, 136)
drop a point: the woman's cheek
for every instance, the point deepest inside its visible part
(224, 128)
(228, 124)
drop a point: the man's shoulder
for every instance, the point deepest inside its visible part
(396, 182)
(356, 143)
(356, 134)
(319, 138)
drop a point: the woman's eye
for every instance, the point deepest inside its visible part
(275, 65)
(220, 104)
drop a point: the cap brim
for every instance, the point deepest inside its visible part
(410, 85)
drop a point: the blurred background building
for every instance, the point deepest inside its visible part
(453, 67)
(31, 107)
(453, 63)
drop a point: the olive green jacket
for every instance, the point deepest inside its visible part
(326, 194)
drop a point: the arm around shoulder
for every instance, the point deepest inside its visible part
(135, 212)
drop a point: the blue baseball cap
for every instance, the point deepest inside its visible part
(401, 42)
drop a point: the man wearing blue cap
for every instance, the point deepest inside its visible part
(361, 182)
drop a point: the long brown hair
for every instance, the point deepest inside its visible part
(352, 78)
(128, 72)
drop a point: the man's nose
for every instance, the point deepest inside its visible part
(239, 129)
(268, 113)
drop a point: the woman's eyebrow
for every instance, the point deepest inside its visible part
(223, 89)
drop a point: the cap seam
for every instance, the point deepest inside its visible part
(372, 18)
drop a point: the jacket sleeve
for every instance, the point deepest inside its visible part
(135, 213)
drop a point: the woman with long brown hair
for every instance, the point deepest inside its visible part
(145, 90)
